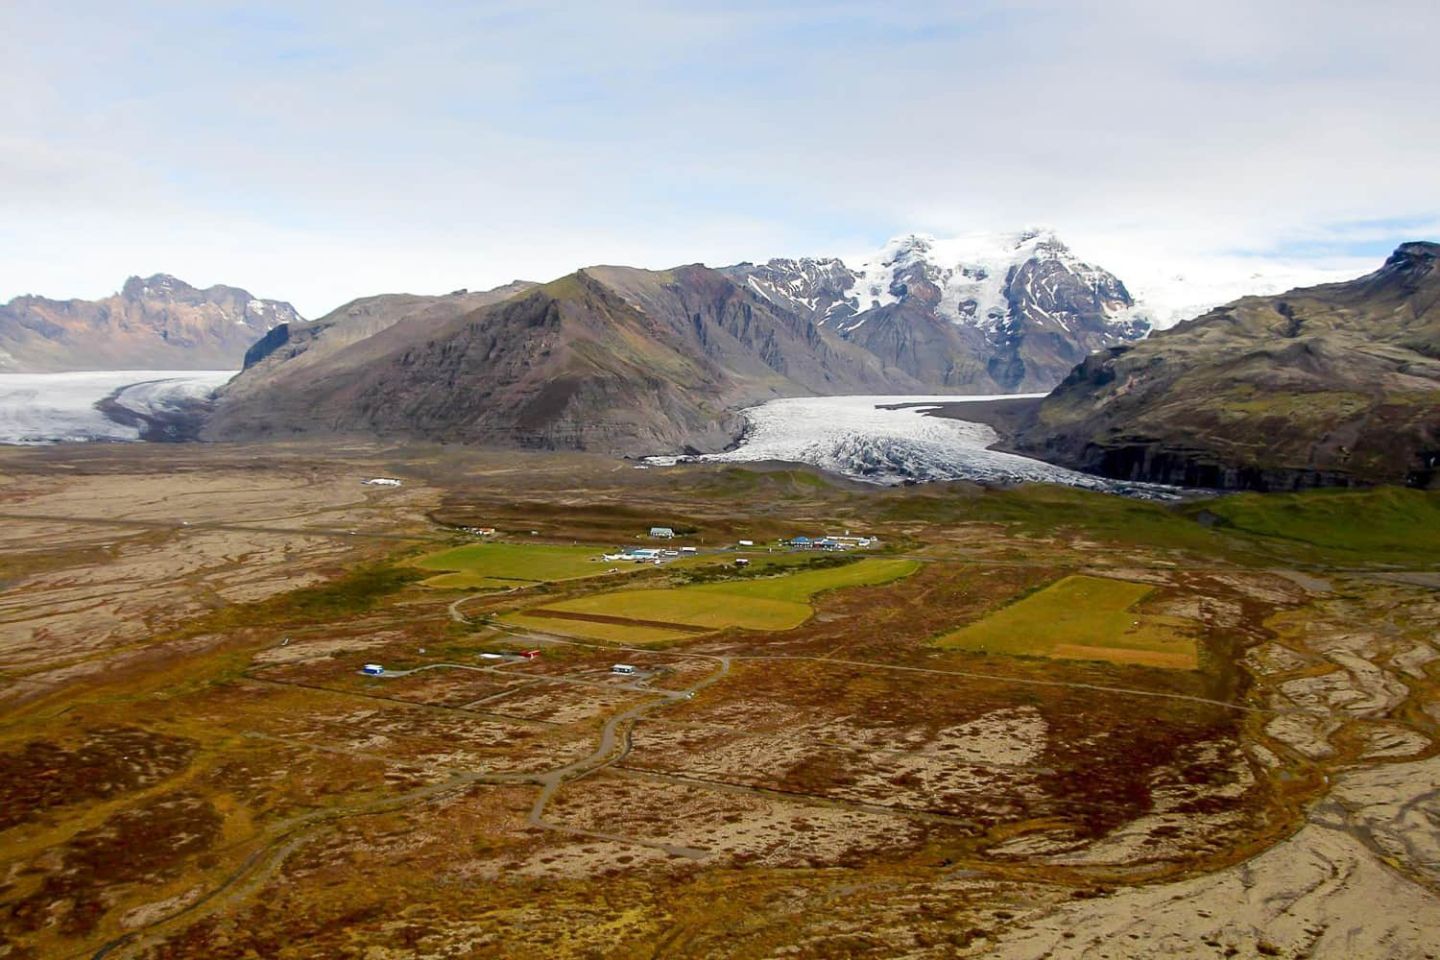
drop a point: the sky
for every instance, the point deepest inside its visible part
(320, 151)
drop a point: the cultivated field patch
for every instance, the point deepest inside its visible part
(489, 564)
(1083, 618)
(469, 581)
(607, 630)
(766, 604)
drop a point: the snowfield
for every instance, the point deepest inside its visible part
(53, 407)
(856, 437)
(973, 272)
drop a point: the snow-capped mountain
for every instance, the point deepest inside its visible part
(993, 311)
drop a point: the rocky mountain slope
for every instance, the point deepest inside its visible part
(979, 314)
(153, 323)
(304, 343)
(612, 359)
(1330, 385)
(635, 361)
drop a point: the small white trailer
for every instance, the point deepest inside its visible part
(624, 668)
(373, 670)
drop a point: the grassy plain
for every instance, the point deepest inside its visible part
(1082, 618)
(483, 564)
(218, 781)
(1388, 525)
(766, 604)
(630, 634)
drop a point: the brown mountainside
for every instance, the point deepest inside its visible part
(610, 359)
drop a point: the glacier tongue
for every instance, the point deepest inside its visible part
(858, 437)
(56, 407)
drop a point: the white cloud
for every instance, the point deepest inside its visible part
(327, 151)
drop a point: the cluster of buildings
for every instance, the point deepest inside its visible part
(647, 554)
(830, 542)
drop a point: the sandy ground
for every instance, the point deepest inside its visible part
(1357, 881)
(853, 829)
(119, 557)
(1360, 878)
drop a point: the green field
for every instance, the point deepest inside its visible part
(471, 581)
(627, 633)
(800, 587)
(1082, 618)
(1384, 525)
(483, 564)
(692, 606)
(770, 604)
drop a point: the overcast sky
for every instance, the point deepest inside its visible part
(320, 151)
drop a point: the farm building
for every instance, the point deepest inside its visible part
(662, 533)
(636, 555)
(828, 542)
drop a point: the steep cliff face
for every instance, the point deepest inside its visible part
(1322, 386)
(154, 323)
(984, 313)
(609, 359)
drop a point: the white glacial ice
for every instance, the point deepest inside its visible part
(51, 407)
(858, 437)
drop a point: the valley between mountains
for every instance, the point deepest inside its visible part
(1323, 386)
(251, 705)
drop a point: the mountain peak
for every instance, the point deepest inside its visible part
(155, 286)
(972, 278)
(1416, 253)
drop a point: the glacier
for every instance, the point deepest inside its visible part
(872, 439)
(56, 407)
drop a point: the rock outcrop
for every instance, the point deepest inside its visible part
(1333, 385)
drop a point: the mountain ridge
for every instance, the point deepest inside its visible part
(983, 312)
(1332, 385)
(155, 322)
(608, 358)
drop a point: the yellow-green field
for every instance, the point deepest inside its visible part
(470, 581)
(770, 604)
(1083, 618)
(800, 587)
(627, 633)
(483, 564)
